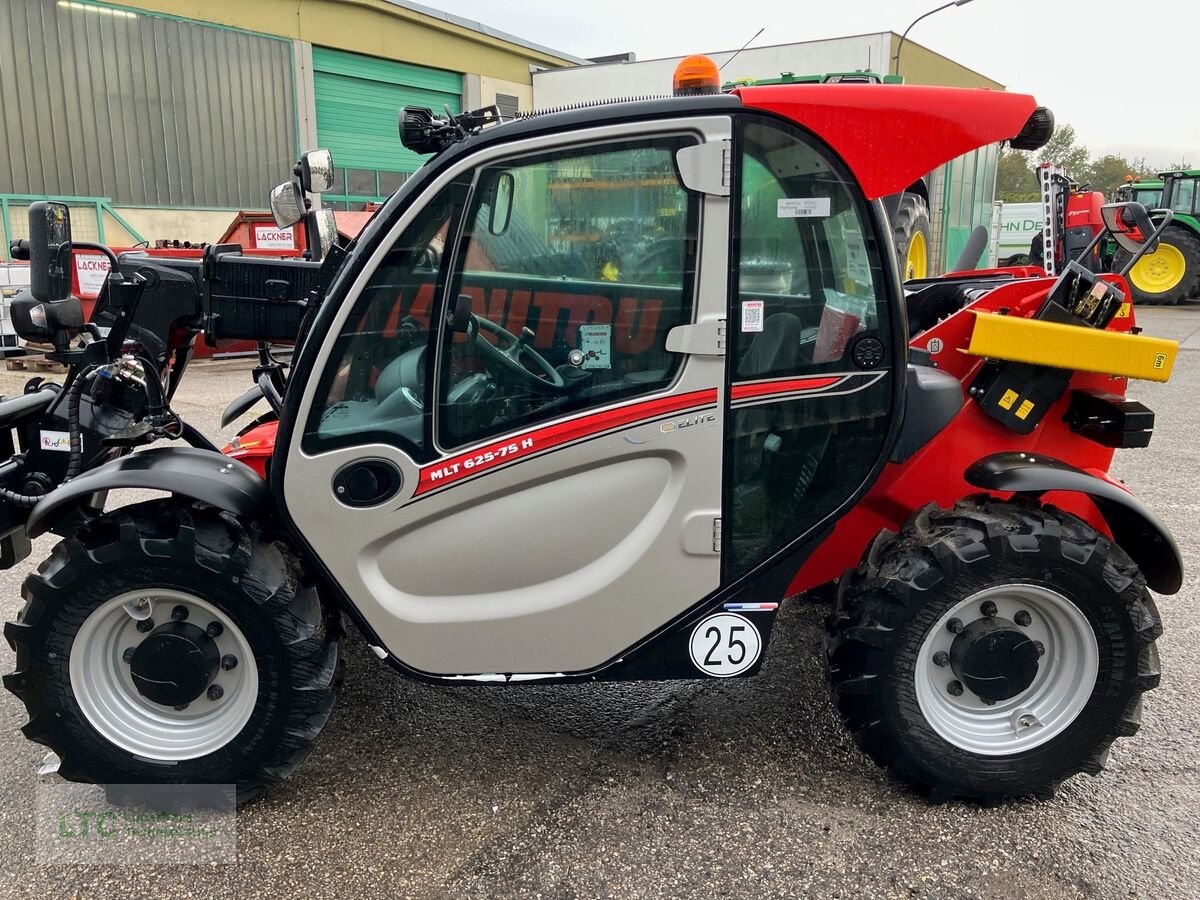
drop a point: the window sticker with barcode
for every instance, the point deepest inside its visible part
(752, 315)
(802, 208)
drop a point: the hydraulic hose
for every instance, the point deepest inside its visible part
(75, 460)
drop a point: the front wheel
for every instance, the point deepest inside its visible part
(992, 650)
(168, 643)
(1168, 275)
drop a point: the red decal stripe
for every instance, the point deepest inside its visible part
(525, 444)
(781, 386)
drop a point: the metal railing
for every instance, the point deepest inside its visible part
(87, 219)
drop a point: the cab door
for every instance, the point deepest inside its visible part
(512, 458)
(814, 347)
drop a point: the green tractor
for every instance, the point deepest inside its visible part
(1172, 272)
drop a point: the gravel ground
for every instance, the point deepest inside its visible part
(744, 788)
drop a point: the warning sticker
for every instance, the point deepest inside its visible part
(1024, 410)
(595, 342)
(802, 208)
(752, 315)
(1009, 398)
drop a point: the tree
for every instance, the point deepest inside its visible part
(1015, 182)
(1108, 173)
(1062, 150)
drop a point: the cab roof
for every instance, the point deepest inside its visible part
(888, 135)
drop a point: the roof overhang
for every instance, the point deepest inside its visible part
(892, 135)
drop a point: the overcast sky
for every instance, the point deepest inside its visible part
(1070, 54)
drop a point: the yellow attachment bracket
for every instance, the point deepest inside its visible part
(1075, 347)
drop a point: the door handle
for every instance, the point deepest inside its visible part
(366, 482)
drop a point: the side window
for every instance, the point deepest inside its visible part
(374, 385)
(810, 299)
(803, 264)
(1184, 194)
(575, 265)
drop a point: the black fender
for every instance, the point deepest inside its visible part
(1134, 527)
(204, 475)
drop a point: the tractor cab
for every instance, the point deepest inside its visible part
(1171, 273)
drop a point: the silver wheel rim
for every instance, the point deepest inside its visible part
(111, 703)
(1064, 682)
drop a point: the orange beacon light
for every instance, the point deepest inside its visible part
(696, 75)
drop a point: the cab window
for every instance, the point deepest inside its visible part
(810, 300)
(1183, 196)
(374, 387)
(572, 269)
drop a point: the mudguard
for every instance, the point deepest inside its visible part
(203, 475)
(1134, 527)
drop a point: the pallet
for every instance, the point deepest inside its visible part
(34, 363)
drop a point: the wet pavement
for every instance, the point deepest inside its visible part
(691, 789)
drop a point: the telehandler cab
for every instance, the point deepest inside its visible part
(591, 395)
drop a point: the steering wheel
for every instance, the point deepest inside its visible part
(508, 360)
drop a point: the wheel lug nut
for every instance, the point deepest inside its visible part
(1022, 618)
(127, 656)
(955, 625)
(941, 658)
(145, 625)
(228, 661)
(954, 689)
(215, 692)
(181, 707)
(214, 629)
(988, 609)
(179, 613)
(1040, 647)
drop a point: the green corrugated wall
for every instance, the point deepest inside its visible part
(359, 99)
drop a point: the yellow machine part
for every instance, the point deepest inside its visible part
(1074, 347)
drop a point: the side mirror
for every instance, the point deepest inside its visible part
(326, 228)
(47, 312)
(49, 251)
(1129, 224)
(287, 204)
(502, 203)
(316, 171)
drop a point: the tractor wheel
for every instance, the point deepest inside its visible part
(1169, 274)
(167, 643)
(911, 233)
(992, 650)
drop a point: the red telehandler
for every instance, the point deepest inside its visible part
(588, 398)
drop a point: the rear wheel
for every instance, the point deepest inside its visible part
(992, 650)
(1168, 275)
(911, 232)
(169, 643)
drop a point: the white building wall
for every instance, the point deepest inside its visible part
(610, 81)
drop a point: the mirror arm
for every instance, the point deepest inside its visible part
(99, 248)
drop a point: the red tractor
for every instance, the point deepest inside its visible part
(589, 397)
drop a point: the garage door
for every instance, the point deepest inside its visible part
(359, 99)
